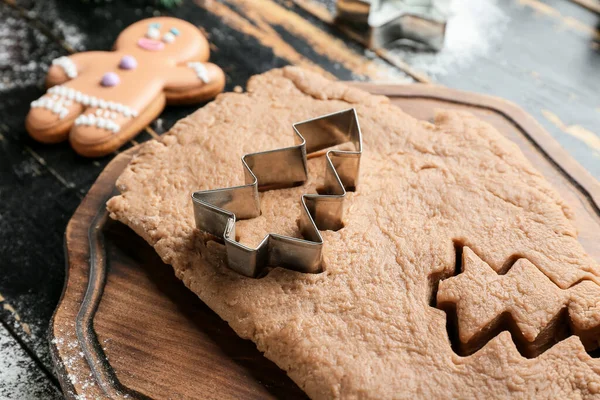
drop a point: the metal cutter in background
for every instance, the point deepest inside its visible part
(382, 22)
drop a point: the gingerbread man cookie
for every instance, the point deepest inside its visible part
(101, 99)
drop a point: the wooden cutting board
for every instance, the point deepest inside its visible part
(125, 327)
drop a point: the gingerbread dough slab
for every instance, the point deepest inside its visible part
(100, 100)
(365, 328)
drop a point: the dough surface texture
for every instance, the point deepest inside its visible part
(365, 327)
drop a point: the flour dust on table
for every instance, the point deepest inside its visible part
(20, 378)
(24, 54)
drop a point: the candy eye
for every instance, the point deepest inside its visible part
(153, 33)
(168, 37)
(175, 31)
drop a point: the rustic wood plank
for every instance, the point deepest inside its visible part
(568, 14)
(302, 42)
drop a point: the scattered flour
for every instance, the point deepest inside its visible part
(473, 29)
(24, 322)
(75, 364)
(17, 55)
(20, 379)
(25, 52)
(28, 168)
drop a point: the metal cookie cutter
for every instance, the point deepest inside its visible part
(216, 210)
(382, 22)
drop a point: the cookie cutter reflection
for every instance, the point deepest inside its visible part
(382, 22)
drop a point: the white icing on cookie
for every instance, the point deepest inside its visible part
(63, 97)
(67, 65)
(153, 32)
(70, 95)
(98, 122)
(55, 106)
(200, 70)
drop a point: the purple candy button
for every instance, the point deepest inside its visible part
(110, 79)
(128, 62)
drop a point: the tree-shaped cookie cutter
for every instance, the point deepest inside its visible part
(216, 210)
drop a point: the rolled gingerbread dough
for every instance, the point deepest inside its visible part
(368, 327)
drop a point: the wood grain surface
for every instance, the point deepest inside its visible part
(126, 326)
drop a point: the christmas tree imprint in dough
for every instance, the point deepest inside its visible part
(480, 303)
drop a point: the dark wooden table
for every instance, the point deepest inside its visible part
(541, 54)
